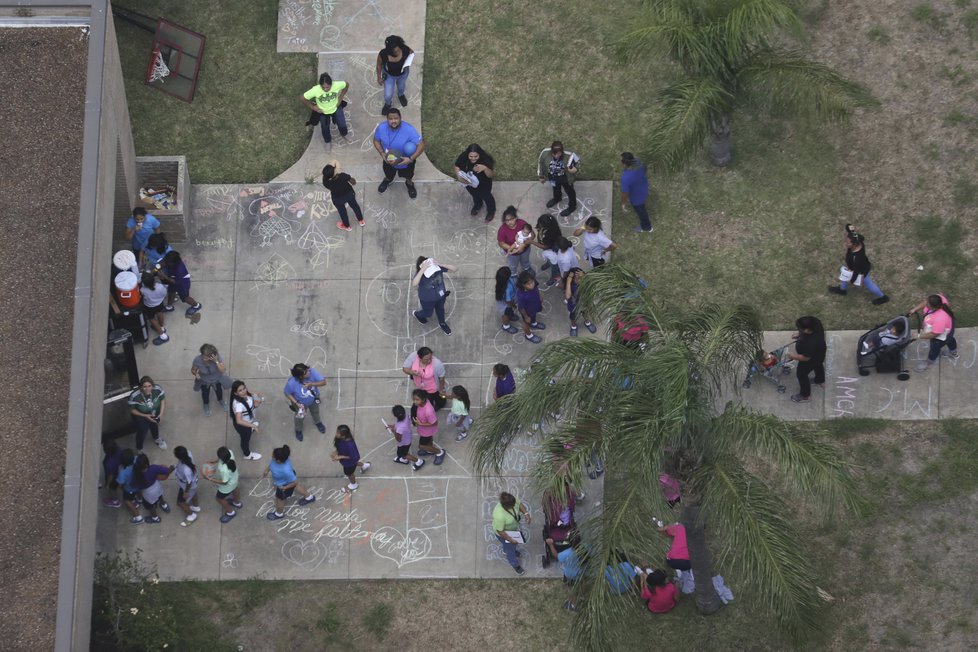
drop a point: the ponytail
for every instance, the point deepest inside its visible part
(182, 454)
(224, 454)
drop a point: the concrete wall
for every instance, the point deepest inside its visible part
(113, 158)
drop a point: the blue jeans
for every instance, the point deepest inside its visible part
(437, 307)
(936, 345)
(339, 118)
(521, 259)
(510, 550)
(868, 284)
(341, 202)
(390, 81)
(643, 217)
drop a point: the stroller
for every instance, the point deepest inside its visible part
(771, 365)
(882, 348)
(558, 523)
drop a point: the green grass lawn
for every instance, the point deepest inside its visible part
(244, 125)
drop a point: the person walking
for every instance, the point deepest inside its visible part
(302, 391)
(399, 145)
(517, 254)
(635, 190)
(559, 168)
(147, 405)
(428, 374)
(209, 372)
(809, 353)
(504, 383)
(597, 245)
(393, 67)
(856, 268)
(938, 329)
(174, 274)
(340, 187)
(403, 435)
(186, 473)
(506, 518)
(326, 99)
(430, 281)
(139, 227)
(125, 477)
(154, 294)
(243, 406)
(225, 476)
(530, 304)
(476, 167)
(426, 421)
(286, 482)
(348, 455)
(150, 479)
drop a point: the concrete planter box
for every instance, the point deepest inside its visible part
(156, 172)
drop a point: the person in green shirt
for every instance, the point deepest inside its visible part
(326, 99)
(225, 476)
(506, 517)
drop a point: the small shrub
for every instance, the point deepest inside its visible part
(926, 14)
(329, 622)
(965, 192)
(378, 620)
(877, 34)
(957, 75)
(970, 23)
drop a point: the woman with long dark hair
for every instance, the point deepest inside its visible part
(857, 267)
(938, 329)
(393, 67)
(505, 293)
(340, 186)
(475, 167)
(243, 405)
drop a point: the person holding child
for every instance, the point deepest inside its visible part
(517, 255)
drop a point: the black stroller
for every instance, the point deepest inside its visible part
(558, 523)
(882, 348)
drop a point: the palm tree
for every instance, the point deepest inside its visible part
(658, 404)
(732, 56)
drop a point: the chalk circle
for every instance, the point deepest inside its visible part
(388, 317)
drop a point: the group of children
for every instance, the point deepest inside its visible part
(518, 297)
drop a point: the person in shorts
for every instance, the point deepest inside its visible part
(174, 273)
(401, 430)
(225, 476)
(423, 416)
(286, 482)
(348, 455)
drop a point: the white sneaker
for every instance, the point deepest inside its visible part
(161, 444)
(253, 456)
(923, 365)
(366, 466)
(195, 510)
(953, 355)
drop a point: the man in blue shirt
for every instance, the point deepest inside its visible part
(400, 145)
(635, 190)
(302, 391)
(139, 227)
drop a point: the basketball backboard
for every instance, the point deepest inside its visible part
(181, 50)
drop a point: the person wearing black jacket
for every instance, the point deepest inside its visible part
(857, 268)
(810, 355)
(476, 166)
(340, 186)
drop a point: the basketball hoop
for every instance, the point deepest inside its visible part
(158, 69)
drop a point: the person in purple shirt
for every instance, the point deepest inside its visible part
(635, 190)
(505, 383)
(348, 455)
(177, 279)
(149, 478)
(530, 304)
(110, 465)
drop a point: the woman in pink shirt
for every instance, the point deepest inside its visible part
(678, 555)
(428, 373)
(426, 421)
(938, 328)
(658, 592)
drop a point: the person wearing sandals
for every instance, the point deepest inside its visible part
(302, 391)
(286, 482)
(475, 166)
(530, 304)
(393, 67)
(151, 476)
(340, 187)
(348, 455)
(426, 421)
(505, 293)
(243, 406)
(147, 405)
(571, 282)
(225, 476)
(209, 372)
(506, 517)
(430, 281)
(186, 473)
(399, 145)
(460, 412)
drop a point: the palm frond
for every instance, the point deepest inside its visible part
(760, 542)
(722, 340)
(671, 28)
(802, 456)
(788, 80)
(750, 24)
(686, 112)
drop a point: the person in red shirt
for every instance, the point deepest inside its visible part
(517, 253)
(678, 555)
(658, 592)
